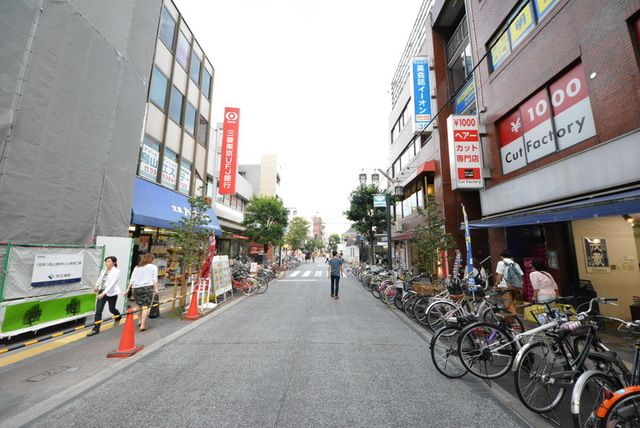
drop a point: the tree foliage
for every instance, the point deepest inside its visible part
(266, 220)
(430, 238)
(366, 219)
(297, 233)
(334, 240)
(191, 236)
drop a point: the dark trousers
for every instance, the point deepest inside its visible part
(100, 307)
(335, 280)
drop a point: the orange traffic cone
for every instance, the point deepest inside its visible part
(193, 313)
(127, 346)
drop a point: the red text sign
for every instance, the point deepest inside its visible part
(229, 151)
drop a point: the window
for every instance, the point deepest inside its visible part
(190, 119)
(167, 28)
(149, 159)
(203, 131)
(182, 52)
(206, 84)
(169, 169)
(195, 69)
(397, 167)
(210, 187)
(403, 120)
(158, 89)
(185, 177)
(460, 66)
(526, 16)
(199, 188)
(175, 106)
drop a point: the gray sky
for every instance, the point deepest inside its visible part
(312, 79)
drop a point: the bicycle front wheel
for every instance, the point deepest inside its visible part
(486, 350)
(534, 381)
(444, 352)
(590, 390)
(249, 286)
(437, 313)
(263, 286)
(625, 412)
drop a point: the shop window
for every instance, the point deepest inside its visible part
(175, 105)
(206, 84)
(169, 169)
(158, 89)
(182, 51)
(185, 177)
(203, 131)
(194, 71)
(149, 159)
(167, 29)
(190, 118)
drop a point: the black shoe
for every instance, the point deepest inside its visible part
(93, 333)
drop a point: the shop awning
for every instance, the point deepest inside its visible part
(601, 206)
(153, 205)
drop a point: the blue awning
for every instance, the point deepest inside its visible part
(601, 206)
(154, 205)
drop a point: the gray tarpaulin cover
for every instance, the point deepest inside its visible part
(73, 90)
(18, 277)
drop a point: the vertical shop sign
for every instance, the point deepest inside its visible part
(149, 159)
(539, 140)
(169, 170)
(465, 154)
(521, 25)
(511, 142)
(572, 108)
(229, 151)
(185, 177)
(420, 88)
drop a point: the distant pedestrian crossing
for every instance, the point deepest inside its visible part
(308, 273)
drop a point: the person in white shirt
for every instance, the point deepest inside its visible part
(144, 282)
(107, 290)
(509, 298)
(544, 286)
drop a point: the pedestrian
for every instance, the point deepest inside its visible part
(335, 271)
(545, 288)
(144, 281)
(107, 290)
(509, 276)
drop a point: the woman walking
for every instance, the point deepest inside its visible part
(544, 286)
(144, 282)
(107, 290)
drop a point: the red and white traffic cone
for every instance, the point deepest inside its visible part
(127, 346)
(193, 313)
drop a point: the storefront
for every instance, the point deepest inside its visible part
(595, 239)
(155, 212)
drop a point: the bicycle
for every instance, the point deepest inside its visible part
(241, 280)
(596, 397)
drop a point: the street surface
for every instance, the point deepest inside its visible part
(291, 357)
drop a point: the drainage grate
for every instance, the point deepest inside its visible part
(48, 374)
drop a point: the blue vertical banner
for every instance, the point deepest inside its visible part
(467, 240)
(421, 92)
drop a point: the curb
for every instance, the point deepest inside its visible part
(68, 395)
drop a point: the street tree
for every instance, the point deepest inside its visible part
(191, 236)
(334, 240)
(297, 232)
(430, 238)
(266, 221)
(366, 219)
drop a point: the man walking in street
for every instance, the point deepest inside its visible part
(335, 271)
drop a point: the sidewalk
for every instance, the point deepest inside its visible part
(35, 373)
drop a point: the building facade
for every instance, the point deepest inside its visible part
(554, 88)
(264, 177)
(73, 92)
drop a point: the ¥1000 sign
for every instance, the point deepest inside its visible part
(557, 117)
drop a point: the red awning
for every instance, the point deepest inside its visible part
(239, 237)
(428, 166)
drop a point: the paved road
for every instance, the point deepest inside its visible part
(291, 357)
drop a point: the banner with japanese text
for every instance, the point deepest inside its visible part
(420, 89)
(465, 154)
(229, 151)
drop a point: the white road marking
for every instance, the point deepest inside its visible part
(296, 273)
(318, 273)
(306, 273)
(296, 280)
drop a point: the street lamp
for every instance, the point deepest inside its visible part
(363, 179)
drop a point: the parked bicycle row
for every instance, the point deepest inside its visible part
(564, 355)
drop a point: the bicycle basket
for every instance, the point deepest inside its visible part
(423, 289)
